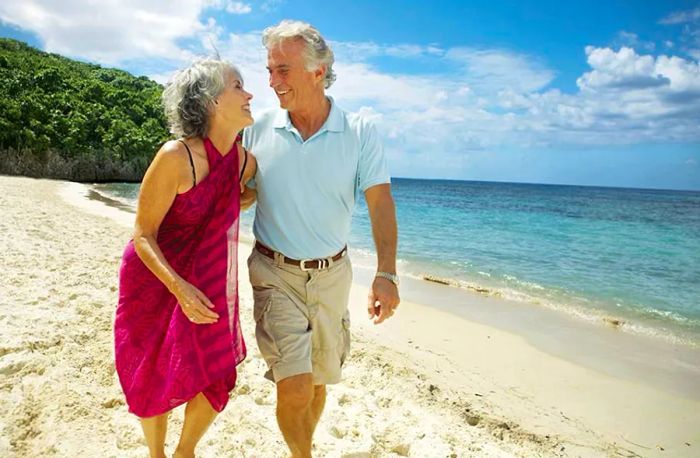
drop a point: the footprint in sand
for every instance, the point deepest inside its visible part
(472, 420)
(402, 449)
(6, 350)
(344, 399)
(12, 368)
(337, 432)
(112, 403)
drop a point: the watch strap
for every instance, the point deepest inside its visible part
(389, 276)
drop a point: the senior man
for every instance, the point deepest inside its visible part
(312, 159)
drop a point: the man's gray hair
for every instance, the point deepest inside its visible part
(316, 53)
(190, 93)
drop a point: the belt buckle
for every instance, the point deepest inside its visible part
(322, 264)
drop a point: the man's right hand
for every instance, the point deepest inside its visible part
(383, 299)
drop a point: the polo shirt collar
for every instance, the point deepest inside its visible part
(334, 123)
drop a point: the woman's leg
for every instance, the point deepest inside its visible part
(199, 414)
(155, 428)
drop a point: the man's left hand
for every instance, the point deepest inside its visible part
(383, 299)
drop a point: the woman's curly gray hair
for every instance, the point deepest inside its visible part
(317, 52)
(190, 93)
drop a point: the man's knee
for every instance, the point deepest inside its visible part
(296, 392)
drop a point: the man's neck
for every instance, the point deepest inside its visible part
(309, 119)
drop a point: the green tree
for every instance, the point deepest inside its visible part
(66, 119)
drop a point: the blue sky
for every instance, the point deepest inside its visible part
(600, 93)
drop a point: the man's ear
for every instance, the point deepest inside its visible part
(320, 73)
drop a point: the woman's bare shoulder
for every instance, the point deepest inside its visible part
(171, 160)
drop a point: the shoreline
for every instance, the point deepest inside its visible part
(428, 382)
(642, 323)
(669, 365)
(664, 363)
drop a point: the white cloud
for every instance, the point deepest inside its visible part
(622, 69)
(632, 40)
(493, 70)
(360, 83)
(362, 51)
(238, 8)
(690, 31)
(109, 32)
(680, 17)
(461, 103)
(230, 6)
(271, 5)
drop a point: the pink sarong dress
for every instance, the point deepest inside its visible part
(164, 360)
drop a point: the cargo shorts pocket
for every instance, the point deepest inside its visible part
(345, 339)
(263, 298)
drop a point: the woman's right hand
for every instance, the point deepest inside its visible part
(194, 304)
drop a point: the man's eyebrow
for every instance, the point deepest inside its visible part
(278, 66)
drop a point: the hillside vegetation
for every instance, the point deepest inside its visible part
(64, 119)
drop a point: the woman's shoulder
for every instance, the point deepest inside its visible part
(173, 157)
(179, 151)
(174, 149)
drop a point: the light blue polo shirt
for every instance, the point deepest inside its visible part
(306, 189)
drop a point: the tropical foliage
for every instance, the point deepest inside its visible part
(60, 118)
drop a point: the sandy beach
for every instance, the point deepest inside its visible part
(428, 383)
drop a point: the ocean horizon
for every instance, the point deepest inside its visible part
(628, 257)
(631, 188)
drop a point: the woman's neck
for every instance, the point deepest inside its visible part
(223, 138)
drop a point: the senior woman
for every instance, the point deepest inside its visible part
(177, 333)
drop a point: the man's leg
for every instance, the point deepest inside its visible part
(155, 429)
(295, 399)
(317, 405)
(199, 414)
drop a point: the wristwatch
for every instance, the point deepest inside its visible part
(391, 277)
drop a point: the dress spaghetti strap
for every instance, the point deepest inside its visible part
(189, 153)
(245, 162)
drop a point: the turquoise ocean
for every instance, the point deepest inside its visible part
(597, 254)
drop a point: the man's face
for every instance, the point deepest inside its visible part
(293, 84)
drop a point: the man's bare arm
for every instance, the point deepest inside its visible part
(384, 295)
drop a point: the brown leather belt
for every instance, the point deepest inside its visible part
(303, 264)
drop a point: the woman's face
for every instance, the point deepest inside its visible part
(233, 104)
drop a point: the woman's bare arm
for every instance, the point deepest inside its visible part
(169, 171)
(248, 195)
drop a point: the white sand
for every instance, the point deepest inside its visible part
(425, 384)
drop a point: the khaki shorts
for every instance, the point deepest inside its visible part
(302, 323)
